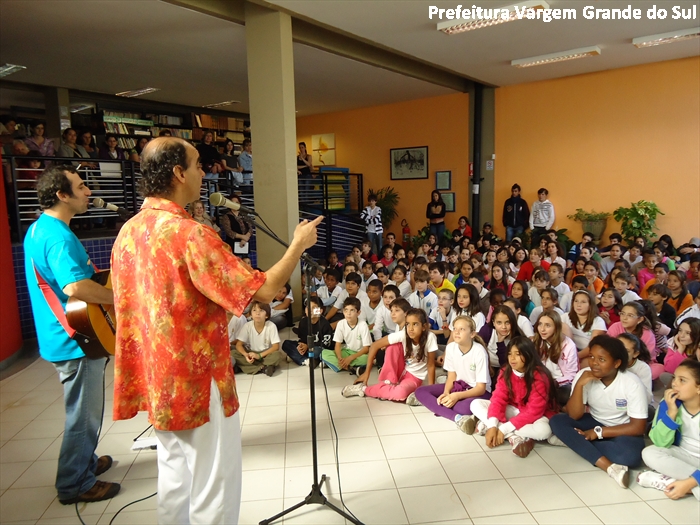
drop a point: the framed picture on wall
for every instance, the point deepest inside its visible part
(409, 163)
(443, 180)
(449, 199)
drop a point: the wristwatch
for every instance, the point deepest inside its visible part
(598, 432)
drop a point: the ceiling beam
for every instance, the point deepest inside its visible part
(326, 38)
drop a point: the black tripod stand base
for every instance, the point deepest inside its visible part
(314, 497)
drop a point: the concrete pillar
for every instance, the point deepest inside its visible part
(57, 112)
(273, 130)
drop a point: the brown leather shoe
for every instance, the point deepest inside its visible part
(104, 463)
(101, 490)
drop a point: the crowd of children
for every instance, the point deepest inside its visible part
(519, 345)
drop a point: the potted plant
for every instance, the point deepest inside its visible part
(591, 221)
(387, 200)
(638, 219)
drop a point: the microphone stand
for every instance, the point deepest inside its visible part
(316, 495)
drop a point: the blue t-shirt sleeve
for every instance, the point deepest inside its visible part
(68, 262)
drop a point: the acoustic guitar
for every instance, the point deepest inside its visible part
(96, 324)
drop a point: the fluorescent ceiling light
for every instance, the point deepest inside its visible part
(666, 38)
(137, 92)
(452, 27)
(8, 69)
(221, 104)
(77, 108)
(557, 57)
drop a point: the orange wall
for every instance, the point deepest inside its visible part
(603, 140)
(363, 138)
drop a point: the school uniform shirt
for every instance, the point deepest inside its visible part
(497, 351)
(364, 303)
(525, 326)
(479, 319)
(371, 313)
(259, 342)
(630, 296)
(472, 367)
(562, 288)
(565, 301)
(534, 295)
(581, 338)
(234, 327)
(365, 282)
(643, 371)
(329, 297)
(688, 313)
(437, 322)
(626, 256)
(535, 314)
(557, 259)
(616, 403)
(418, 369)
(405, 289)
(280, 313)
(690, 436)
(426, 301)
(382, 322)
(352, 337)
(607, 266)
(564, 371)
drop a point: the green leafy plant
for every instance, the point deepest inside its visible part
(585, 216)
(387, 200)
(564, 239)
(638, 219)
(420, 237)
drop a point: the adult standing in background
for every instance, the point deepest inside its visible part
(305, 166)
(541, 217)
(516, 214)
(37, 143)
(435, 213)
(245, 164)
(111, 150)
(229, 160)
(209, 156)
(172, 351)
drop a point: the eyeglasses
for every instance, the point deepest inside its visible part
(627, 316)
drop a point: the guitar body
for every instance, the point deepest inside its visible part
(95, 323)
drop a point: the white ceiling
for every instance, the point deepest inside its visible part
(109, 46)
(485, 54)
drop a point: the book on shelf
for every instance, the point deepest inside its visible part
(175, 132)
(126, 143)
(166, 120)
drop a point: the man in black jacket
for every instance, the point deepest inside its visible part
(516, 214)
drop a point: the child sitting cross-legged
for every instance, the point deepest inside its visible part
(468, 378)
(675, 434)
(409, 359)
(352, 340)
(258, 342)
(298, 351)
(521, 404)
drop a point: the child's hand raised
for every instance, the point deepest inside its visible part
(670, 397)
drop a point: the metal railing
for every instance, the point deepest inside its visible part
(337, 196)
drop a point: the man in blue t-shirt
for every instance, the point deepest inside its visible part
(53, 251)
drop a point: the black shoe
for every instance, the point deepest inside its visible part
(295, 330)
(361, 370)
(269, 370)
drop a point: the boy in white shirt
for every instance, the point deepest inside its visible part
(383, 324)
(352, 289)
(329, 292)
(374, 301)
(622, 284)
(442, 315)
(352, 341)
(540, 280)
(367, 275)
(258, 342)
(280, 305)
(556, 279)
(422, 297)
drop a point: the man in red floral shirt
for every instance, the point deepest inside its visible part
(174, 279)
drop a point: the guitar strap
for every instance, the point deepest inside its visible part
(54, 303)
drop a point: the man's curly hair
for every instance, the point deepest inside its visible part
(157, 162)
(50, 182)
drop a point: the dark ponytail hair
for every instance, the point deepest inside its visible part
(423, 318)
(533, 365)
(640, 348)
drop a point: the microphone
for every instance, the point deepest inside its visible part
(122, 212)
(218, 199)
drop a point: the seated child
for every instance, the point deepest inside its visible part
(367, 275)
(523, 322)
(675, 453)
(280, 305)
(399, 278)
(540, 281)
(374, 301)
(607, 412)
(521, 404)
(556, 279)
(476, 279)
(329, 291)
(352, 340)
(383, 324)
(422, 297)
(557, 352)
(352, 290)
(684, 345)
(520, 291)
(258, 342)
(496, 334)
(298, 351)
(409, 360)
(549, 302)
(468, 378)
(467, 303)
(622, 282)
(638, 361)
(610, 306)
(442, 315)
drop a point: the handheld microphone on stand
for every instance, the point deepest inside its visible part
(218, 199)
(123, 213)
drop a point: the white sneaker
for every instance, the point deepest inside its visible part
(481, 428)
(653, 480)
(521, 446)
(354, 390)
(412, 401)
(620, 473)
(467, 424)
(555, 441)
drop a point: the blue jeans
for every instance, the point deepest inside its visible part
(438, 230)
(376, 240)
(623, 450)
(513, 231)
(83, 395)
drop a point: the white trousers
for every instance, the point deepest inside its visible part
(539, 430)
(673, 462)
(200, 470)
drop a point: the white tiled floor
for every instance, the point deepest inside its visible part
(398, 464)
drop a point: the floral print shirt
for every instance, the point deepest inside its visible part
(173, 280)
